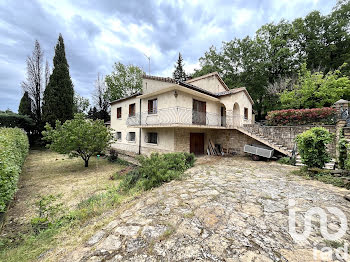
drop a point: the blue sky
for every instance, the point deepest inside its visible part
(99, 33)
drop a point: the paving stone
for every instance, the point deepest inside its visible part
(111, 243)
(230, 209)
(95, 238)
(131, 231)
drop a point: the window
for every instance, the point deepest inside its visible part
(152, 106)
(119, 112)
(118, 136)
(152, 138)
(131, 110)
(131, 137)
(199, 112)
(245, 113)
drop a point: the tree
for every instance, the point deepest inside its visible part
(277, 52)
(25, 106)
(316, 89)
(123, 81)
(47, 73)
(101, 101)
(81, 104)
(58, 102)
(179, 72)
(78, 137)
(34, 83)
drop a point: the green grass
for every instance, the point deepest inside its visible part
(322, 175)
(87, 193)
(334, 244)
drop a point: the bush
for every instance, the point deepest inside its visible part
(10, 119)
(157, 169)
(325, 115)
(14, 149)
(312, 146)
(286, 160)
(113, 155)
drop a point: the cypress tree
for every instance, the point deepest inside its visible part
(25, 106)
(58, 96)
(179, 73)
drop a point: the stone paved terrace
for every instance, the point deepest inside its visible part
(227, 209)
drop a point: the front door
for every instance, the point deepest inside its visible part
(197, 143)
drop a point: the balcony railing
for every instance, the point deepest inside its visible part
(183, 116)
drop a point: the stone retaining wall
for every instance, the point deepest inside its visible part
(285, 135)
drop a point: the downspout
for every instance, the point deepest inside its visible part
(140, 130)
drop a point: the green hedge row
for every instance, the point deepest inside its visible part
(14, 148)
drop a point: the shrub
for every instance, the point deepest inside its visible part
(10, 119)
(286, 160)
(48, 211)
(325, 115)
(312, 146)
(14, 149)
(157, 169)
(113, 155)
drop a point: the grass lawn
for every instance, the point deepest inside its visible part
(83, 195)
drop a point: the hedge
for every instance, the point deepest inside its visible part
(325, 115)
(14, 148)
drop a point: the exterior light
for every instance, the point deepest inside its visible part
(175, 94)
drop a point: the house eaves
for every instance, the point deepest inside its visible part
(125, 98)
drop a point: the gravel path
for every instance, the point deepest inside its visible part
(227, 209)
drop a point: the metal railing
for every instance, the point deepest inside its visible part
(183, 116)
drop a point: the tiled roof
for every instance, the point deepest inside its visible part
(236, 90)
(124, 98)
(196, 88)
(231, 91)
(159, 78)
(190, 86)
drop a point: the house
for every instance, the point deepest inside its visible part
(170, 116)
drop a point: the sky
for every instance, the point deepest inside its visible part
(99, 33)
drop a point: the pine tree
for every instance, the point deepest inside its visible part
(179, 73)
(58, 96)
(25, 106)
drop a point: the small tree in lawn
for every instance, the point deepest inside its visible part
(312, 146)
(78, 137)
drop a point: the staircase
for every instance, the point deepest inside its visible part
(263, 135)
(330, 165)
(259, 133)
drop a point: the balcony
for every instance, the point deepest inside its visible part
(179, 116)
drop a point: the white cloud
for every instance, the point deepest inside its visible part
(101, 33)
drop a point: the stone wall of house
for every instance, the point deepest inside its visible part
(229, 139)
(233, 140)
